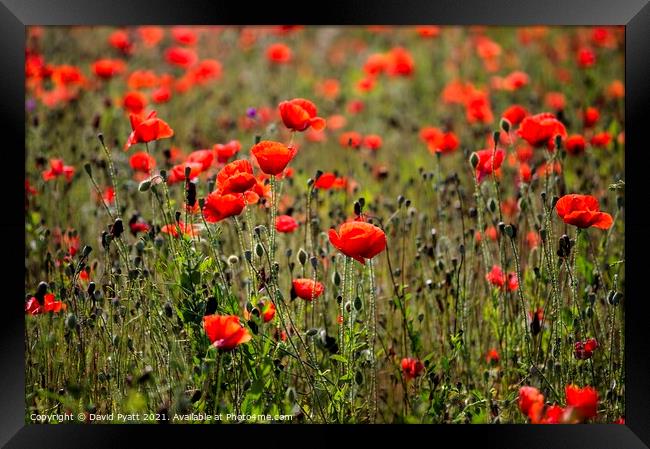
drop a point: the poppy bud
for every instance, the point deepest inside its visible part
(191, 194)
(357, 208)
(41, 290)
(259, 230)
(302, 257)
(496, 137)
(163, 175)
(542, 234)
(248, 255)
(461, 249)
(505, 125)
(318, 174)
(473, 160)
(258, 138)
(144, 185)
(502, 226)
(259, 250)
(86, 251)
(89, 169)
(336, 278)
(118, 228)
(91, 288)
(511, 231)
(233, 260)
(554, 201)
(314, 262)
(558, 141)
(358, 305)
(348, 306)
(400, 200)
(71, 321)
(492, 205)
(543, 195)
(100, 136)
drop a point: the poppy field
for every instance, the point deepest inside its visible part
(419, 224)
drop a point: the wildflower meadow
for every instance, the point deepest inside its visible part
(414, 224)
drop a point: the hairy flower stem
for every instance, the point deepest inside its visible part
(371, 344)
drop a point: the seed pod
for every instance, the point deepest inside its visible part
(314, 262)
(248, 255)
(336, 278)
(505, 125)
(302, 257)
(358, 304)
(492, 205)
(473, 160)
(118, 228)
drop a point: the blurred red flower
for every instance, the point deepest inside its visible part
(57, 168)
(226, 151)
(278, 53)
(411, 368)
(285, 224)
(108, 68)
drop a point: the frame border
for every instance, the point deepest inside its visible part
(634, 14)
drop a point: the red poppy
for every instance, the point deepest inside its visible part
(138, 227)
(525, 173)
(57, 168)
(273, 157)
(161, 95)
(590, 117)
(52, 305)
(492, 356)
(585, 349)
(120, 40)
(575, 144)
(188, 229)
(359, 240)
(299, 114)
(285, 223)
(515, 114)
(177, 172)
(307, 289)
(555, 100)
(325, 181)
(478, 109)
(219, 207)
(151, 35)
(236, 177)
(366, 84)
(515, 80)
(411, 368)
(147, 130)
(542, 129)
(203, 157)
(399, 62)
(205, 71)
(583, 402)
(616, 90)
(142, 162)
(278, 53)
(33, 307)
(582, 211)
(226, 151)
(530, 399)
(533, 239)
(586, 57)
(439, 142)
(108, 68)
(181, 57)
(428, 31)
(268, 311)
(375, 64)
(496, 276)
(372, 142)
(225, 332)
(329, 88)
(487, 161)
(184, 35)
(351, 139)
(142, 79)
(134, 102)
(602, 139)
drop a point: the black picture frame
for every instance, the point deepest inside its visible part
(633, 14)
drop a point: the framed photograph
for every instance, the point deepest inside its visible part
(424, 215)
